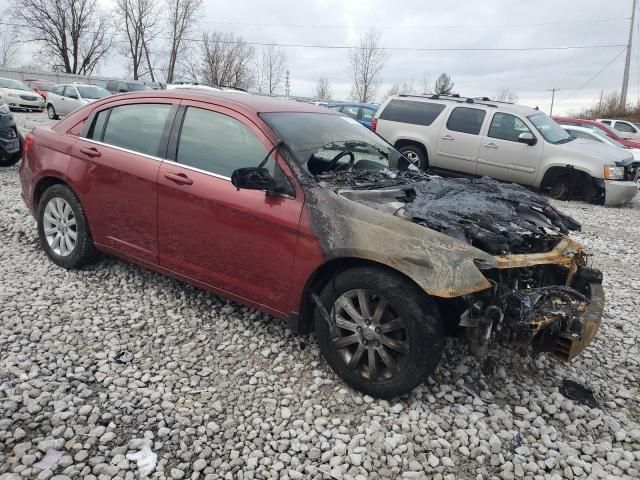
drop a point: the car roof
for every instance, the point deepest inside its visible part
(581, 129)
(353, 104)
(470, 102)
(250, 104)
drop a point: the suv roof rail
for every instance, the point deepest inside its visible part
(454, 97)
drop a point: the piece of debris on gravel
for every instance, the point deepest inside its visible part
(217, 390)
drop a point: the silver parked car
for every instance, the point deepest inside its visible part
(66, 98)
(514, 143)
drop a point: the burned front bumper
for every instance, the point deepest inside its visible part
(542, 302)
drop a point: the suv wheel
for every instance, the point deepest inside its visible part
(63, 228)
(389, 335)
(51, 112)
(415, 155)
(559, 188)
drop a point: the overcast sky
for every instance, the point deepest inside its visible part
(431, 24)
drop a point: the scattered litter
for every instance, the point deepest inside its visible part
(123, 356)
(579, 393)
(145, 459)
(49, 460)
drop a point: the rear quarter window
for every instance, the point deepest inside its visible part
(407, 111)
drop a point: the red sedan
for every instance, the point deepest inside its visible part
(302, 212)
(599, 127)
(41, 87)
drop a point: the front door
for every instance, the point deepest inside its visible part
(503, 157)
(241, 242)
(117, 164)
(459, 141)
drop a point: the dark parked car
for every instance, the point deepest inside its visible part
(362, 112)
(300, 212)
(126, 86)
(10, 138)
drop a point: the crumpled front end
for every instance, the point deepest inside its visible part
(543, 302)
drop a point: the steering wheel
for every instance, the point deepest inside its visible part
(337, 158)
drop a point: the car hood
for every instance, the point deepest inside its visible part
(608, 154)
(18, 92)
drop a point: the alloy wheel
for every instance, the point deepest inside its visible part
(60, 227)
(413, 158)
(372, 339)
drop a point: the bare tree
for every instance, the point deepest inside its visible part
(74, 34)
(426, 78)
(506, 95)
(366, 62)
(271, 69)
(444, 85)
(323, 90)
(182, 19)
(139, 22)
(405, 88)
(227, 60)
(9, 47)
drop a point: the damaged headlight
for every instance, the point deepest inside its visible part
(613, 173)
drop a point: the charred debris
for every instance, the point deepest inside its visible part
(496, 217)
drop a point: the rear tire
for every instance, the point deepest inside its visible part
(399, 331)
(63, 228)
(415, 155)
(51, 112)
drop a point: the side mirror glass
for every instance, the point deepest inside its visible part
(254, 178)
(527, 137)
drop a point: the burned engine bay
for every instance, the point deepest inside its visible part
(543, 297)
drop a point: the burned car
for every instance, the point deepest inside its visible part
(10, 138)
(307, 215)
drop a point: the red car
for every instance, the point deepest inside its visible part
(598, 126)
(41, 87)
(303, 213)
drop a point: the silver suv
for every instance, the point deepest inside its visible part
(478, 136)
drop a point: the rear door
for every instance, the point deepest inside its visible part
(503, 157)
(116, 163)
(71, 99)
(55, 97)
(241, 242)
(459, 140)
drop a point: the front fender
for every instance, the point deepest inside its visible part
(585, 165)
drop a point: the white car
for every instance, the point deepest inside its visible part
(624, 128)
(18, 95)
(66, 98)
(594, 136)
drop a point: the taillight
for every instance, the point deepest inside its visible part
(26, 144)
(374, 124)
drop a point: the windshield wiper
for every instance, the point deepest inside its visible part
(564, 140)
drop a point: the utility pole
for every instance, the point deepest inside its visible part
(287, 83)
(553, 95)
(625, 78)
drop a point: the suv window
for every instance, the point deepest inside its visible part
(506, 127)
(407, 111)
(466, 120)
(625, 127)
(137, 127)
(351, 111)
(217, 143)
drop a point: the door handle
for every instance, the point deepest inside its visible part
(447, 137)
(179, 178)
(90, 151)
(491, 145)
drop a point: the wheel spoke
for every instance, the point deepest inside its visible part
(383, 303)
(373, 365)
(346, 324)
(71, 222)
(48, 231)
(49, 218)
(343, 342)
(387, 360)
(69, 243)
(392, 325)
(365, 303)
(397, 345)
(355, 359)
(72, 234)
(348, 306)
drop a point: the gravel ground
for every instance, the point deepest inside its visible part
(101, 363)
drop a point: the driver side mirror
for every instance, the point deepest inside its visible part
(258, 178)
(528, 138)
(73, 95)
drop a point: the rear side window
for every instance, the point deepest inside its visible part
(367, 114)
(217, 143)
(407, 111)
(351, 111)
(97, 127)
(136, 127)
(466, 120)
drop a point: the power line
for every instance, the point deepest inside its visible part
(599, 72)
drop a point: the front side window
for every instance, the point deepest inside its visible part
(59, 90)
(351, 111)
(137, 127)
(408, 111)
(507, 127)
(217, 143)
(607, 122)
(92, 92)
(625, 127)
(70, 92)
(466, 120)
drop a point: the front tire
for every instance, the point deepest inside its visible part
(559, 188)
(63, 228)
(51, 112)
(390, 333)
(415, 155)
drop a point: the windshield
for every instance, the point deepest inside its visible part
(550, 130)
(92, 92)
(15, 84)
(326, 143)
(608, 140)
